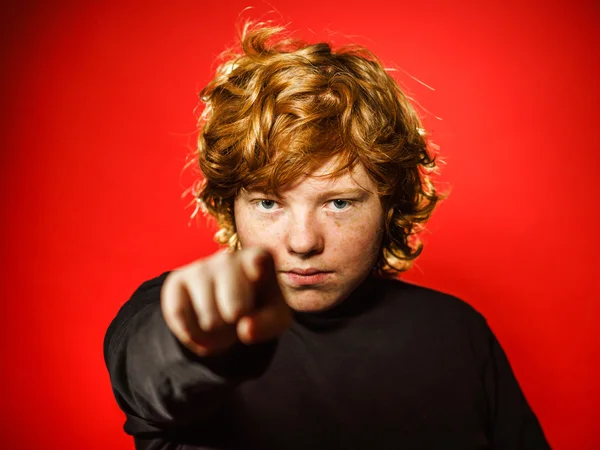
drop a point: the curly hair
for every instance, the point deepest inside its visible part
(279, 107)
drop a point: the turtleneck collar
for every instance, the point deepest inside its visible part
(364, 297)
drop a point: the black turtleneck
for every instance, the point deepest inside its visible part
(393, 366)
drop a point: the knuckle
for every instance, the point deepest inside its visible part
(169, 287)
(231, 314)
(184, 338)
(220, 260)
(233, 308)
(175, 318)
(209, 323)
(171, 303)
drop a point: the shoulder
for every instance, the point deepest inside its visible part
(409, 295)
(146, 294)
(428, 306)
(441, 323)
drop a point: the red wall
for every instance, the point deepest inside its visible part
(97, 113)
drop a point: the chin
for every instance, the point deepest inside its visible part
(310, 300)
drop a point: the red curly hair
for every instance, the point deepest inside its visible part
(278, 108)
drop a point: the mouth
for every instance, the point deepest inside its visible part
(306, 277)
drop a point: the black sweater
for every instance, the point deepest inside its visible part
(395, 366)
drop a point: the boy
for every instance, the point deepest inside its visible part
(317, 171)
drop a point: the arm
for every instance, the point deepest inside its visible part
(158, 382)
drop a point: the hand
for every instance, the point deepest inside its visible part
(211, 303)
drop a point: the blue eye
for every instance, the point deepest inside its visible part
(267, 204)
(340, 204)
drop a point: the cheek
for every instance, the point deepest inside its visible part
(358, 243)
(256, 232)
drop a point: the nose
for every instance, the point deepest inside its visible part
(304, 236)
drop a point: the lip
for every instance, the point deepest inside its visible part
(309, 271)
(305, 277)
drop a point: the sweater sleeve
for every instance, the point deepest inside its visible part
(513, 424)
(158, 383)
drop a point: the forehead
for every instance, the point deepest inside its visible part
(326, 178)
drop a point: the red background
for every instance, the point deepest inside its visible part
(97, 114)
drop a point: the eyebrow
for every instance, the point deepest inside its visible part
(341, 192)
(332, 193)
(345, 192)
(327, 194)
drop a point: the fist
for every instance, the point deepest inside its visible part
(211, 303)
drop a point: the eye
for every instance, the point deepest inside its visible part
(266, 205)
(340, 204)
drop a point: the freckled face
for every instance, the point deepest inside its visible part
(324, 234)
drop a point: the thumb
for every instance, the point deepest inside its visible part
(264, 324)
